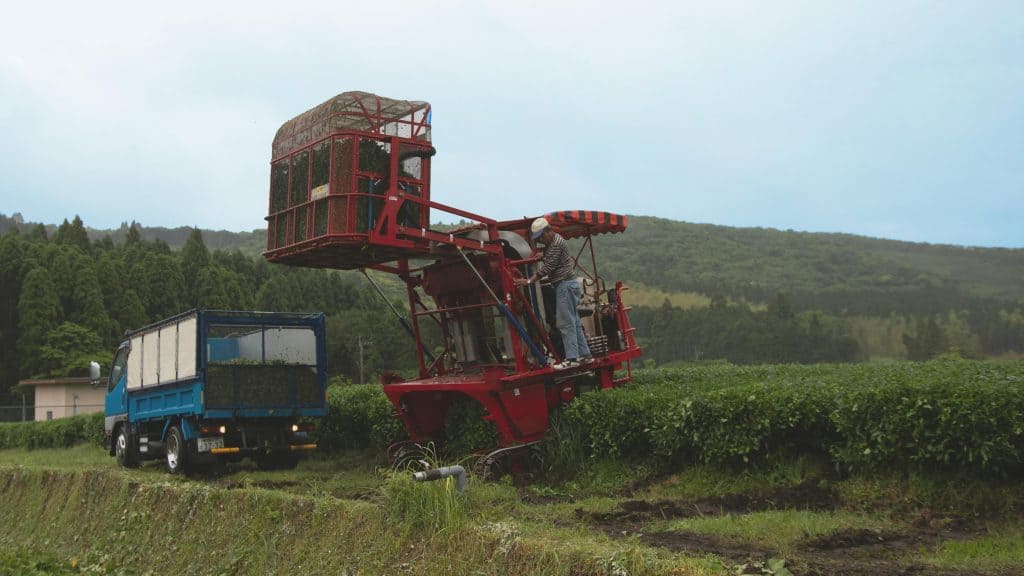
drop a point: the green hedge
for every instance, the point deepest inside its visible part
(956, 415)
(58, 433)
(358, 416)
(964, 416)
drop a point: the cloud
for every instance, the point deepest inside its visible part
(796, 115)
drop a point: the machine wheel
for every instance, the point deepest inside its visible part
(499, 462)
(176, 451)
(402, 455)
(122, 449)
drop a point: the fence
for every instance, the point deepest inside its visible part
(27, 412)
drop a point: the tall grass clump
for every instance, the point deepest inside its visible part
(562, 453)
(432, 507)
(435, 507)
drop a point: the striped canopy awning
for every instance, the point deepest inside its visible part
(576, 223)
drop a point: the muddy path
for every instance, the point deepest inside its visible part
(805, 496)
(854, 552)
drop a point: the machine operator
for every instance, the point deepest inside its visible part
(558, 266)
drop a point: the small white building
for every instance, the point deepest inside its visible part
(62, 397)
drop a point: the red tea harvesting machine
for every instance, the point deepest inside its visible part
(350, 189)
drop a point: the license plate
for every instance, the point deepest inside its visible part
(205, 444)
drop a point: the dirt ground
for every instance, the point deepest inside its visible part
(845, 553)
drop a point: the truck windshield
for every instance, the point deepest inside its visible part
(261, 367)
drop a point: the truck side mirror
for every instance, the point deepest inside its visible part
(94, 373)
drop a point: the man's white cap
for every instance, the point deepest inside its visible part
(538, 227)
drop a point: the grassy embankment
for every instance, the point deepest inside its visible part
(332, 516)
(831, 469)
(72, 510)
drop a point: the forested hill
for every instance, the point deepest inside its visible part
(250, 243)
(819, 270)
(68, 293)
(833, 272)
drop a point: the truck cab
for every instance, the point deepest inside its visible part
(211, 385)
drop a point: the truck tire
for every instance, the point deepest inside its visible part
(123, 448)
(176, 451)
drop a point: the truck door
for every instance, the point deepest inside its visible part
(116, 401)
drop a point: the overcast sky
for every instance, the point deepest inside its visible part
(900, 120)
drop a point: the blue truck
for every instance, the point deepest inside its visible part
(214, 385)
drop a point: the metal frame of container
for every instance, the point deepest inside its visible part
(185, 396)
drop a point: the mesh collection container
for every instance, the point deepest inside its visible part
(355, 166)
(240, 386)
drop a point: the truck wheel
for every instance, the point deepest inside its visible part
(123, 449)
(176, 451)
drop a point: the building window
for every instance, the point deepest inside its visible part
(49, 414)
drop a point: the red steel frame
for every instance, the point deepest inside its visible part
(517, 396)
(517, 393)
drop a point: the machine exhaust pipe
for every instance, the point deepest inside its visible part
(461, 480)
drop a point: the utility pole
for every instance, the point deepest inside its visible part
(362, 343)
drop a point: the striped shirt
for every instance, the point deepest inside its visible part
(557, 264)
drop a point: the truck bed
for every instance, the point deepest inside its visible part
(234, 392)
(183, 398)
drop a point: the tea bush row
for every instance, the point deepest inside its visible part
(359, 416)
(956, 415)
(58, 433)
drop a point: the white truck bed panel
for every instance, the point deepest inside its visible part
(291, 345)
(135, 363)
(187, 348)
(168, 370)
(150, 358)
(163, 354)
